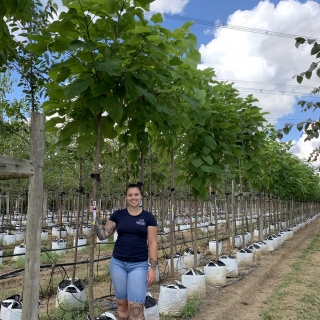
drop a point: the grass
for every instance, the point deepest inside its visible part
(298, 296)
(191, 308)
(66, 312)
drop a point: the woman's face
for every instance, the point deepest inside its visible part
(133, 197)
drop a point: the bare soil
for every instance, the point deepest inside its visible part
(244, 298)
(247, 298)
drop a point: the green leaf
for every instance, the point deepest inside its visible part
(111, 6)
(113, 107)
(308, 74)
(133, 155)
(84, 144)
(150, 97)
(112, 67)
(315, 49)
(68, 130)
(299, 79)
(208, 159)
(166, 110)
(318, 72)
(185, 120)
(311, 41)
(286, 130)
(299, 41)
(144, 4)
(63, 27)
(197, 162)
(206, 169)
(300, 126)
(196, 183)
(142, 29)
(157, 18)
(77, 87)
(313, 66)
(224, 125)
(64, 143)
(210, 142)
(108, 128)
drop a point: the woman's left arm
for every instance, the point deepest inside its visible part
(153, 253)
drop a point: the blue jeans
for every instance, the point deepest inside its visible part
(129, 280)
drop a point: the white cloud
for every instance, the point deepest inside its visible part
(303, 149)
(253, 57)
(168, 6)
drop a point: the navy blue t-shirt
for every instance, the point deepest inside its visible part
(131, 244)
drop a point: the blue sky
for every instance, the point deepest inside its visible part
(260, 64)
(257, 63)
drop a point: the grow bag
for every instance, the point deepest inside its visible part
(231, 266)
(44, 235)
(213, 247)
(215, 273)
(245, 258)
(81, 243)
(58, 245)
(19, 250)
(178, 261)
(188, 257)
(9, 239)
(11, 308)
(72, 294)
(106, 316)
(171, 299)
(255, 248)
(195, 282)
(151, 308)
(19, 236)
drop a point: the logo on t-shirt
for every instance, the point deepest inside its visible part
(141, 222)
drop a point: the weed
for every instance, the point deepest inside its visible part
(190, 309)
(49, 257)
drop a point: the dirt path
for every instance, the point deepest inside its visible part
(246, 299)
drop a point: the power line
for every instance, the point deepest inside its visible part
(267, 83)
(218, 24)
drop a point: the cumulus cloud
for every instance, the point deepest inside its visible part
(168, 6)
(255, 58)
(303, 149)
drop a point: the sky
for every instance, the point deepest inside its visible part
(254, 48)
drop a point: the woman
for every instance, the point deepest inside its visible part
(137, 234)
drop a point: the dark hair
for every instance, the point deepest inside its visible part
(134, 185)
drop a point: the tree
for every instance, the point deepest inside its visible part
(18, 10)
(310, 127)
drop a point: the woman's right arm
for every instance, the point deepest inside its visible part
(104, 232)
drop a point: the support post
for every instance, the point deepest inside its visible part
(31, 286)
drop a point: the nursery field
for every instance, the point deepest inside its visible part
(285, 284)
(254, 294)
